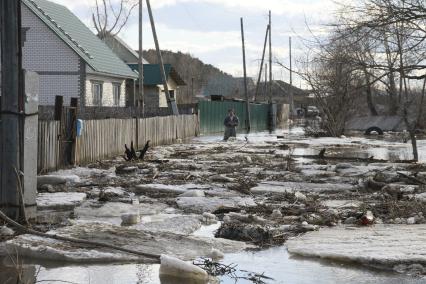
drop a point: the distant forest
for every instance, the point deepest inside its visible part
(207, 79)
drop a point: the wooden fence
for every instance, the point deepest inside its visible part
(48, 155)
(105, 138)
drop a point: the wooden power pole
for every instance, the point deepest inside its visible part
(140, 61)
(261, 64)
(265, 87)
(170, 101)
(245, 78)
(291, 97)
(11, 107)
(270, 59)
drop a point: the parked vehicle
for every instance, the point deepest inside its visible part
(312, 111)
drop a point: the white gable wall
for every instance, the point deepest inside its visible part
(171, 84)
(107, 90)
(61, 71)
(55, 62)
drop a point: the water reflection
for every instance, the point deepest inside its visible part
(274, 262)
(17, 274)
(388, 147)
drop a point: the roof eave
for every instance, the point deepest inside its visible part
(81, 54)
(115, 75)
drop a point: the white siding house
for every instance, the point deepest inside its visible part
(71, 61)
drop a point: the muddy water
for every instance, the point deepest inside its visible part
(387, 147)
(274, 262)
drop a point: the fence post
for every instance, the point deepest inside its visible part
(73, 129)
(59, 103)
(137, 132)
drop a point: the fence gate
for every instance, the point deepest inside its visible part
(67, 131)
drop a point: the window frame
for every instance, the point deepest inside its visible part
(116, 87)
(95, 100)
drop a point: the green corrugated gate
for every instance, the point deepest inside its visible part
(213, 113)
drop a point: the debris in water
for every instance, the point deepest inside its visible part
(219, 269)
(367, 218)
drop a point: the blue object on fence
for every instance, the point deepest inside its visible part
(80, 126)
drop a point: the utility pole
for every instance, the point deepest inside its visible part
(140, 62)
(192, 88)
(245, 78)
(291, 98)
(261, 63)
(170, 101)
(266, 81)
(270, 58)
(11, 108)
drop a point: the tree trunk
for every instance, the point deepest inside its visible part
(393, 102)
(369, 94)
(414, 145)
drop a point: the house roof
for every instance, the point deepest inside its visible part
(80, 38)
(123, 50)
(152, 74)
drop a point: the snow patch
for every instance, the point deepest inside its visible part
(60, 200)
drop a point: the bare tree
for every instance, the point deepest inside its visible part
(110, 16)
(397, 29)
(335, 82)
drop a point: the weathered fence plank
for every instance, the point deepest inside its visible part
(100, 139)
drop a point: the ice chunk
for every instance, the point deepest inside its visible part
(189, 247)
(381, 245)
(193, 193)
(5, 231)
(57, 179)
(170, 189)
(281, 187)
(174, 267)
(211, 204)
(130, 218)
(216, 254)
(60, 200)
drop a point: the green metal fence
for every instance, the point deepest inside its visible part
(213, 113)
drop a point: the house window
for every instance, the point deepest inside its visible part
(97, 93)
(172, 94)
(116, 92)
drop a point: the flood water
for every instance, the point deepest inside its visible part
(386, 147)
(274, 262)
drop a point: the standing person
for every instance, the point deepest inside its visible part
(231, 123)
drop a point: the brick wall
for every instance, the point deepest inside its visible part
(56, 64)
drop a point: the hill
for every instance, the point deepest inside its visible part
(201, 79)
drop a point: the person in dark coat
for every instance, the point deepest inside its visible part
(231, 123)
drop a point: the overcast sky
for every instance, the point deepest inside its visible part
(210, 29)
